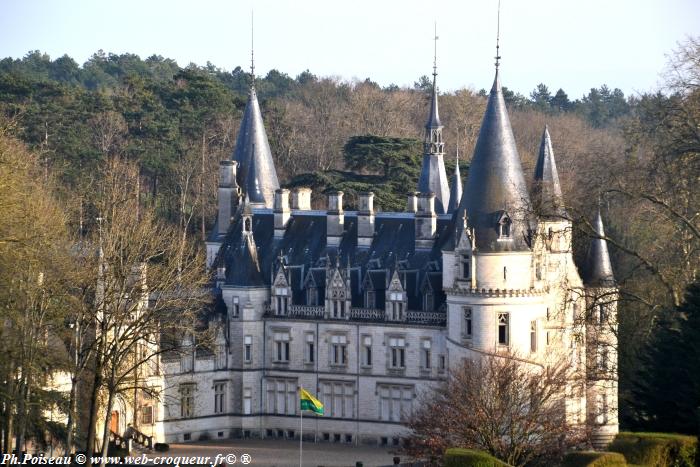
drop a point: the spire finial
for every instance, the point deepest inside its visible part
(498, 35)
(252, 49)
(435, 39)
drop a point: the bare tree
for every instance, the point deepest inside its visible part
(500, 404)
(148, 281)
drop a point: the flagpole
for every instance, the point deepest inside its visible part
(301, 432)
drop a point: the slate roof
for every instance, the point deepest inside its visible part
(303, 248)
(598, 270)
(256, 170)
(547, 196)
(496, 184)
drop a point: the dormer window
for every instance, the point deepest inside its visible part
(370, 299)
(427, 301)
(504, 226)
(312, 296)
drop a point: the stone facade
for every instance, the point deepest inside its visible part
(368, 310)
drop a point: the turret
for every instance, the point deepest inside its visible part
(601, 341)
(433, 177)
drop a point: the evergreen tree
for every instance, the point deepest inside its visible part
(560, 102)
(667, 397)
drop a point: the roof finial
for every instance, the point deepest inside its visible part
(498, 35)
(435, 52)
(252, 50)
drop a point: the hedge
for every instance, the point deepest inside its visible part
(594, 459)
(656, 449)
(458, 457)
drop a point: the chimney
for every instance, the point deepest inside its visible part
(335, 219)
(412, 205)
(281, 211)
(426, 220)
(228, 194)
(365, 219)
(301, 199)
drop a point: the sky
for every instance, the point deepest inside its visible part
(569, 44)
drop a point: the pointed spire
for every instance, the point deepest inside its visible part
(252, 50)
(434, 118)
(433, 177)
(496, 184)
(547, 190)
(256, 176)
(455, 187)
(599, 270)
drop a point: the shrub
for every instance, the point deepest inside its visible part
(594, 459)
(656, 449)
(161, 447)
(457, 457)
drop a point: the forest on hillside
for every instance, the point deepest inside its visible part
(638, 157)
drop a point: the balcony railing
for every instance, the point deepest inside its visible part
(366, 314)
(374, 315)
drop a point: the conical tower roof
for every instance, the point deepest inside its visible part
(496, 194)
(455, 189)
(433, 178)
(549, 201)
(599, 270)
(256, 174)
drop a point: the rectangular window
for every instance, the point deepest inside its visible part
(602, 316)
(339, 308)
(220, 356)
(427, 301)
(441, 362)
(339, 351)
(186, 361)
(367, 351)
(395, 402)
(236, 308)
(467, 329)
(281, 347)
(310, 352)
(219, 397)
(282, 396)
(338, 398)
(466, 269)
(247, 401)
(281, 301)
(370, 299)
(397, 358)
(247, 348)
(425, 356)
(186, 400)
(312, 296)
(147, 415)
(533, 336)
(503, 330)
